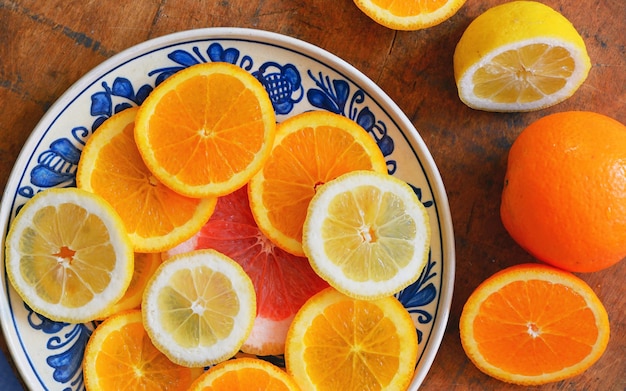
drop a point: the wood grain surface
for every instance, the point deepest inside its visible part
(46, 46)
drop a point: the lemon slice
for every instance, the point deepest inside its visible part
(519, 56)
(199, 307)
(68, 255)
(367, 234)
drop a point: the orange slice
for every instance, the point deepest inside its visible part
(68, 255)
(310, 149)
(409, 14)
(156, 217)
(206, 130)
(533, 324)
(339, 343)
(120, 356)
(282, 281)
(245, 374)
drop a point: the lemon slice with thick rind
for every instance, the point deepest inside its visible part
(519, 56)
(367, 234)
(68, 255)
(199, 307)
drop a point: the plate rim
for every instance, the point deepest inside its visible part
(411, 134)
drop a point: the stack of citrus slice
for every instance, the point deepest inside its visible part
(156, 217)
(201, 164)
(310, 149)
(282, 281)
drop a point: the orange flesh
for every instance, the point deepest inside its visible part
(147, 207)
(410, 7)
(127, 360)
(206, 129)
(534, 327)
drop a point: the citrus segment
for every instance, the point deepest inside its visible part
(367, 234)
(310, 149)
(145, 264)
(519, 56)
(155, 216)
(245, 374)
(120, 356)
(409, 14)
(198, 308)
(339, 343)
(206, 130)
(533, 324)
(544, 206)
(282, 281)
(68, 255)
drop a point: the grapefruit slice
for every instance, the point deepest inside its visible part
(282, 281)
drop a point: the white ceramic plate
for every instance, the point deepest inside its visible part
(298, 77)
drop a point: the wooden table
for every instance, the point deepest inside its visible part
(45, 46)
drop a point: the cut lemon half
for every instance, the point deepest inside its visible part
(409, 14)
(339, 343)
(245, 374)
(68, 255)
(367, 234)
(199, 307)
(156, 217)
(519, 56)
(206, 130)
(120, 356)
(533, 324)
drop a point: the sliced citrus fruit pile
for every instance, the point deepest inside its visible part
(519, 56)
(156, 217)
(339, 343)
(199, 175)
(68, 255)
(532, 324)
(409, 14)
(120, 356)
(310, 149)
(199, 307)
(206, 130)
(145, 264)
(245, 374)
(367, 234)
(282, 281)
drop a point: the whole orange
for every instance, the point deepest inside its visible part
(564, 197)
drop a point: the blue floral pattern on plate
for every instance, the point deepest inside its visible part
(295, 82)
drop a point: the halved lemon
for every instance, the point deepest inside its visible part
(519, 56)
